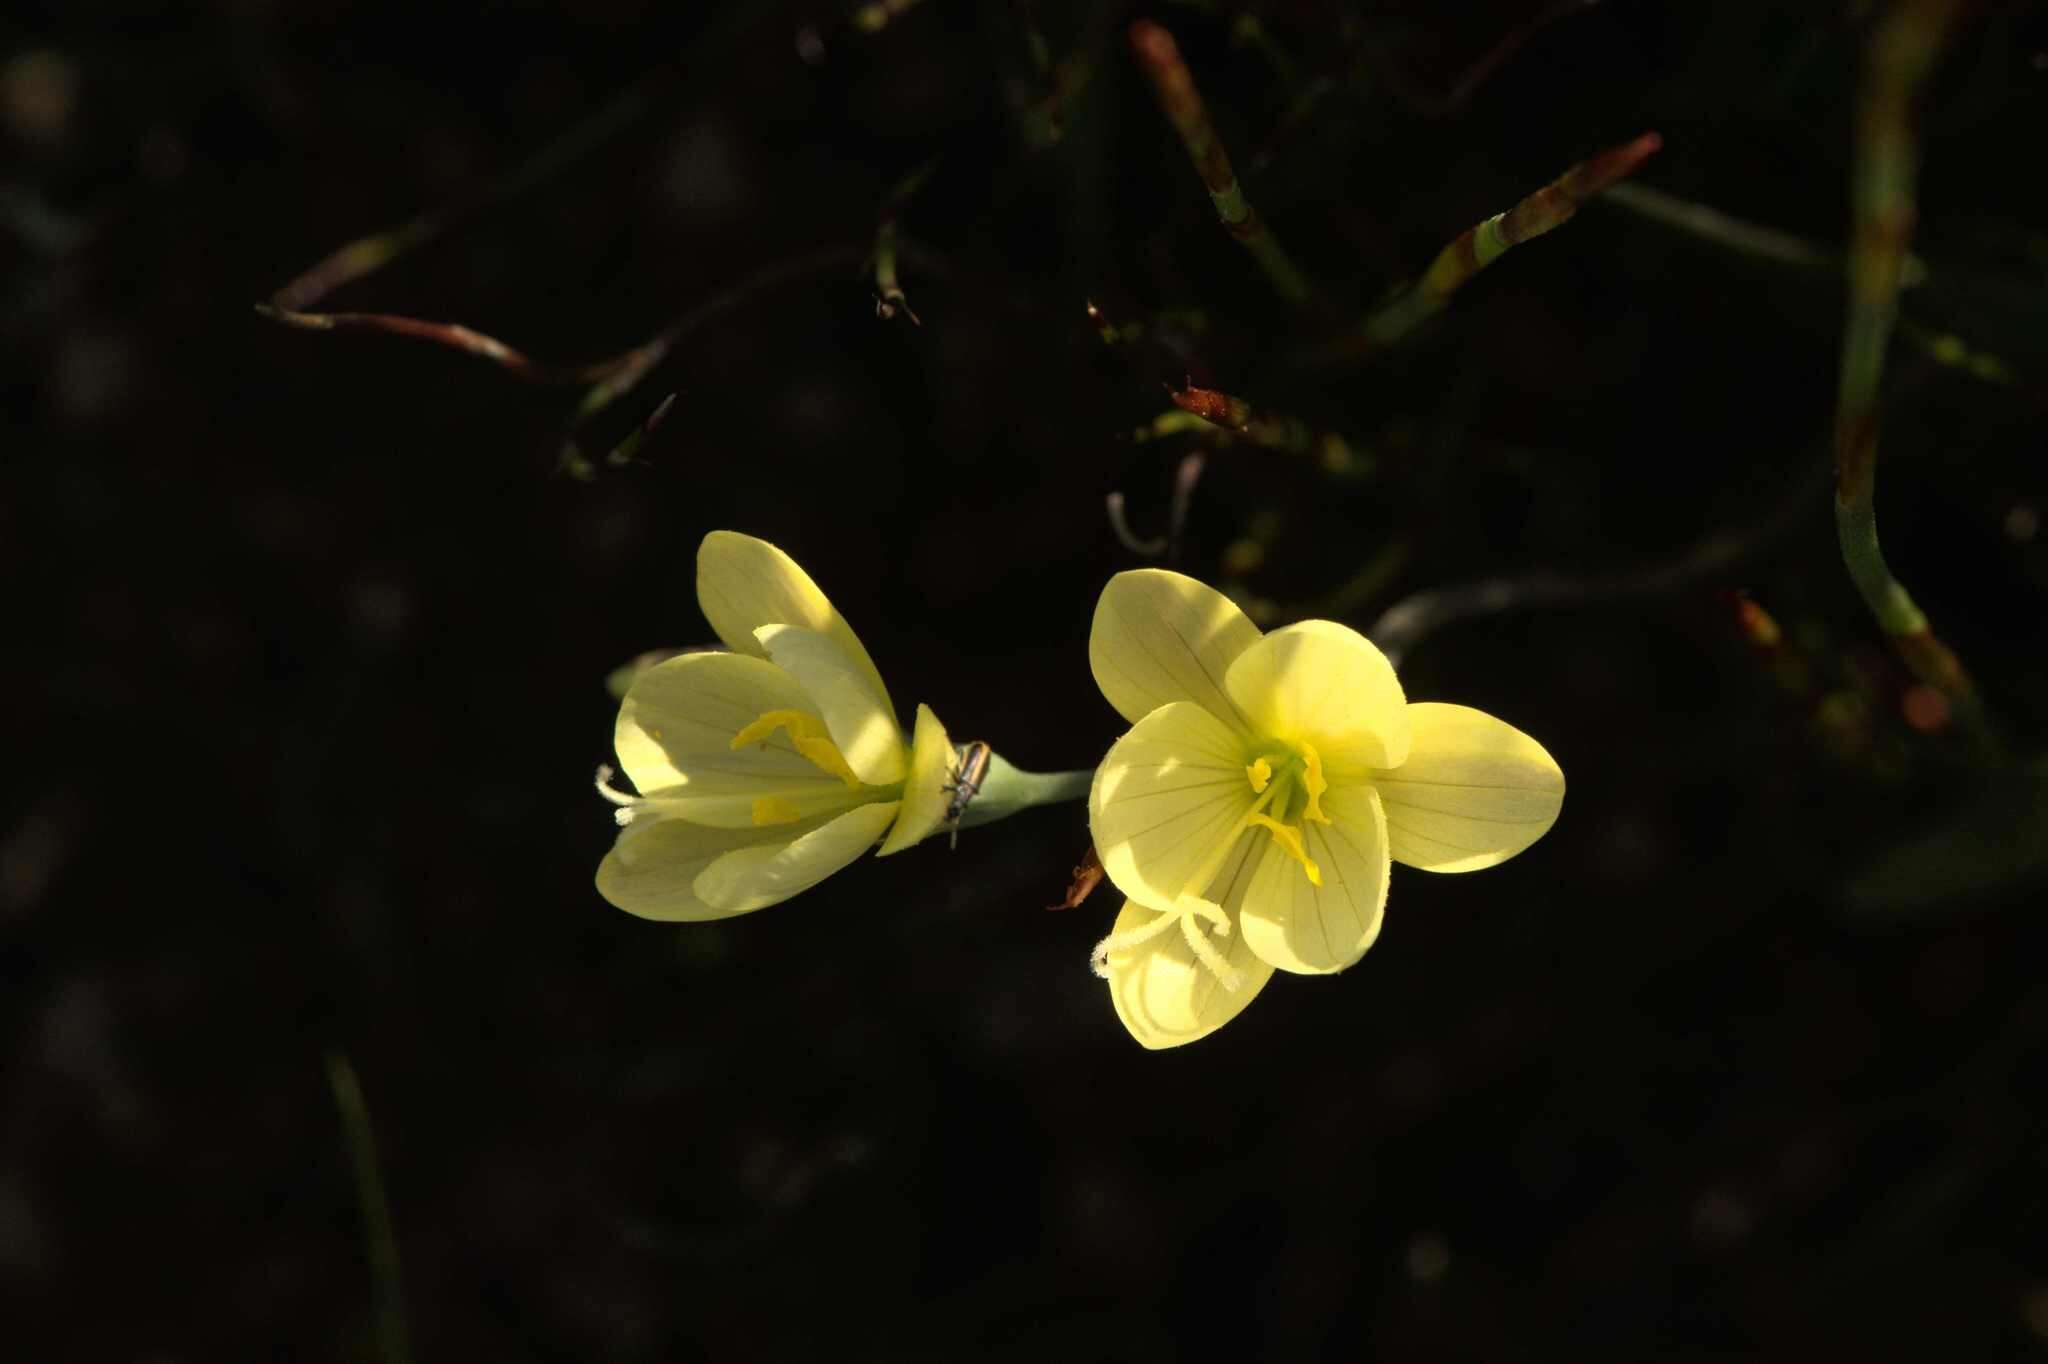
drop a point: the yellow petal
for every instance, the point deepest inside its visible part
(674, 736)
(924, 790)
(1167, 800)
(844, 696)
(734, 801)
(744, 583)
(1474, 792)
(769, 873)
(680, 719)
(1324, 683)
(1315, 929)
(1161, 637)
(652, 870)
(1165, 997)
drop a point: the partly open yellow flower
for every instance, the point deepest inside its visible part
(1267, 781)
(764, 770)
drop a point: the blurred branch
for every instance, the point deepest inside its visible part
(628, 449)
(623, 372)
(889, 299)
(1902, 51)
(1185, 476)
(1841, 718)
(1497, 56)
(1782, 248)
(1042, 102)
(453, 335)
(1120, 525)
(1488, 62)
(387, 1284)
(1181, 102)
(1750, 239)
(1234, 418)
(1406, 623)
(1478, 247)
(367, 254)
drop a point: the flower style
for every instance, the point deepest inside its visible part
(1267, 781)
(764, 770)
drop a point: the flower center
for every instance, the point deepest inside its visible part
(807, 734)
(1289, 784)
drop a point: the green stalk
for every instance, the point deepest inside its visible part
(1181, 102)
(1902, 51)
(1006, 790)
(1478, 247)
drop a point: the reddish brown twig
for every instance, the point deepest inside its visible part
(451, 334)
(1215, 407)
(1478, 247)
(1174, 85)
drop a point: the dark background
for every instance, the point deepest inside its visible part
(308, 637)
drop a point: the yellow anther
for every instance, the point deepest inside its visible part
(763, 729)
(825, 755)
(1315, 784)
(1260, 772)
(775, 810)
(1289, 838)
(807, 734)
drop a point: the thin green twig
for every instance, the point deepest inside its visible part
(622, 373)
(453, 335)
(889, 298)
(1174, 85)
(1903, 49)
(379, 1234)
(1478, 247)
(368, 254)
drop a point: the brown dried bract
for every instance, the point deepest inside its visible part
(1087, 877)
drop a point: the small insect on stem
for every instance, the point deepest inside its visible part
(970, 769)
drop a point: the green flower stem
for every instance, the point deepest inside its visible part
(1902, 51)
(1478, 247)
(1006, 790)
(1181, 102)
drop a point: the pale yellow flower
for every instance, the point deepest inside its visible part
(1267, 781)
(764, 770)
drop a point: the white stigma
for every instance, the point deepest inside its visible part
(629, 805)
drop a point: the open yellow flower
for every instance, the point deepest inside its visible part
(764, 770)
(1267, 781)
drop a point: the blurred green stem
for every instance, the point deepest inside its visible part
(1903, 49)
(1750, 239)
(381, 1239)
(1174, 85)
(1478, 247)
